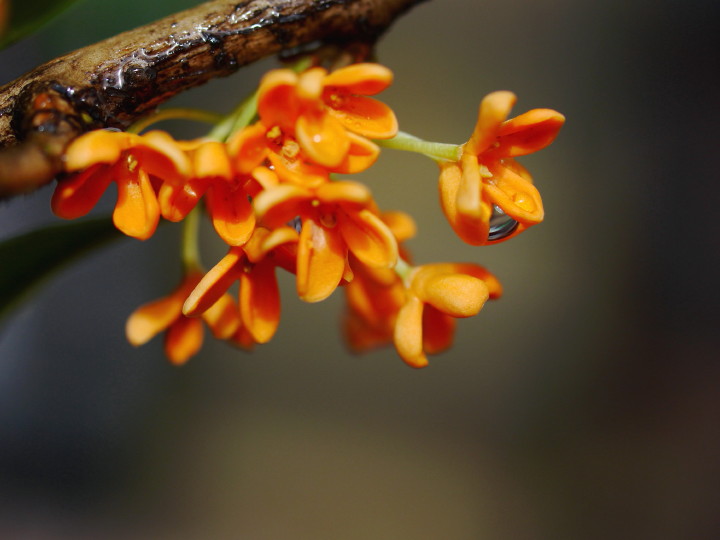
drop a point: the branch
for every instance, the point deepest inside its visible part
(119, 80)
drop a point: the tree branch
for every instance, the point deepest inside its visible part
(117, 81)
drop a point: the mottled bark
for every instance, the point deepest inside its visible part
(117, 81)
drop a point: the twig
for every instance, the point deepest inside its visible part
(117, 81)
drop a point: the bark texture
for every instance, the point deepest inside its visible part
(117, 81)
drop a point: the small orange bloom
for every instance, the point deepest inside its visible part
(436, 295)
(375, 295)
(184, 335)
(320, 110)
(374, 298)
(336, 217)
(253, 265)
(226, 191)
(487, 196)
(100, 157)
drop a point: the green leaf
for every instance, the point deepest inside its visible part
(26, 16)
(28, 261)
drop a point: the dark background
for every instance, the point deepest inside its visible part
(583, 405)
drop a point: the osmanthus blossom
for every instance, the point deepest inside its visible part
(487, 184)
(253, 265)
(321, 110)
(435, 295)
(183, 335)
(375, 295)
(225, 183)
(134, 162)
(336, 218)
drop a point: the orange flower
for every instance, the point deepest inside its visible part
(336, 217)
(487, 196)
(226, 191)
(374, 300)
(253, 265)
(321, 110)
(184, 335)
(375, 295)
(131, 161)
(436, 295)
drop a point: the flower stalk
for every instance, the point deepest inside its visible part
(177, 113)
(434, 150)
(189, 241)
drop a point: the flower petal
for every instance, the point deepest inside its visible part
(457, 295)
(323, 138)
(438, 330)
(310, 85)
(365, 79)
(349, 194)
(369, 239)
(265, 177)
(320, 261)
(137, 211)
(365, 116)
(362, 154)
(260, 301)
(527, 133)
(298, 172)
(517, 197)
(248, 147)
(177, 200)
(376, 302)
(278, 104)
(211, 160)
(408, 334)
(493, 284)
(99, 146)
(215, 283)
(232, 214)
(78, 193)
(518, 169)
(223, 317)
(152, 318)
(494, 109)
(160, 155)
(471, 219)
(264, 241)
(183, 339)
(278, 205)
(401, 224)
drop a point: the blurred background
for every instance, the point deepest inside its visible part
(582, 405)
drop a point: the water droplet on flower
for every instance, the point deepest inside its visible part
(501, 225)
(296, 223)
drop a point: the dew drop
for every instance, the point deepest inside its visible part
(501, 225)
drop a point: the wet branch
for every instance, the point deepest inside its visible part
(117, 81)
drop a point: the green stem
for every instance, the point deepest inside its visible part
(433, 150)
(302, 64)
(403, 270)
(174, 114)
(236, 120)
(189, 241)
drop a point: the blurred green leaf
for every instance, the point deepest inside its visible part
(27, 261)
(27, 16)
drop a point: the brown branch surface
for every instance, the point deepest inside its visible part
(117, 81)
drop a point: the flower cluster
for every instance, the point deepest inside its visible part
(271, 191)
